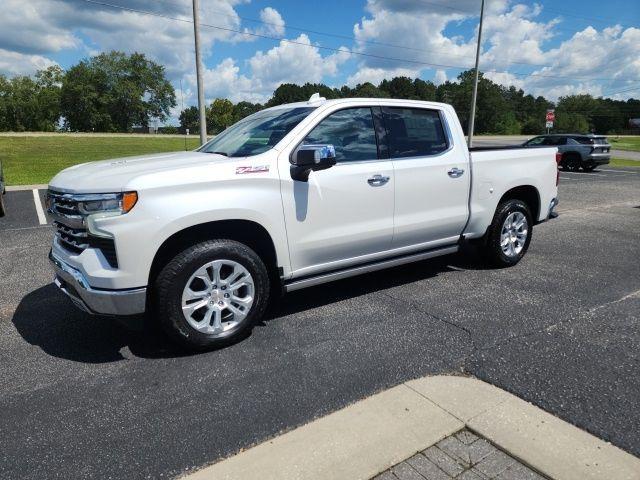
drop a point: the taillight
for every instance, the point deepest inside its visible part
(558, 159)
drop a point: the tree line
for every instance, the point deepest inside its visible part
(115, 92)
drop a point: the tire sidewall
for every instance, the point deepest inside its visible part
(172, 279)
(504, 210)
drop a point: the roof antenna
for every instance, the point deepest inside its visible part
(316, 98)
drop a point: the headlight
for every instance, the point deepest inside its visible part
(116, 203)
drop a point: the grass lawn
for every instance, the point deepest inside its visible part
(36, 159)
(625, 143)
(623, 162)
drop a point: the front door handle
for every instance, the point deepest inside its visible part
(455, 172)
(377, 180)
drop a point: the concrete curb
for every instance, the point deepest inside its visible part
(17, 188)
(378, 432)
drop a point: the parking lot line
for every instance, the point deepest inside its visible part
(585, 174)
(619, 171)
(42, 219)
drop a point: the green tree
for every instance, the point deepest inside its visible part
(398, 87)
(219, 115)
(190, 119)
(31, 104)
(290, 92)
(365, 90)
(115, 91)
(424, 90)
(48, 84)
(244, 109)
(573, 113)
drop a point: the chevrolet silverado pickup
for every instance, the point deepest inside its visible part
(290, 197)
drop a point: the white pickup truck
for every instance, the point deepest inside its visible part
(287, 198)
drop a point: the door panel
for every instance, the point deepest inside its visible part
(346, 211)
(432, 178)
(337, 215)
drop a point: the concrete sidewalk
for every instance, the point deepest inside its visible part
(379, 433)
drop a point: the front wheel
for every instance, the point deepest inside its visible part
(211, 294)
(509, 235)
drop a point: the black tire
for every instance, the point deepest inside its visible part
(493, 251)
(588, 168)
(3, 212)
(572, 161)
(166, 295)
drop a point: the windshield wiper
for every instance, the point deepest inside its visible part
(221, 153)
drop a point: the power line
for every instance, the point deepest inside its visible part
(334, 49)
(352, 38)
(593, 19)
(626, 89)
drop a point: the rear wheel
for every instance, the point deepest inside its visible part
(211, 294)
(572, 161)
(509, 235)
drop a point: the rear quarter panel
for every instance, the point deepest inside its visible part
(495, 172)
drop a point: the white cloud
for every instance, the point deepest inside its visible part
(14, 63)
(440, 77)
(273, 22)
(224, 81)
(514, 38)
(376, 75)
(26, 27)
(588, 57)
(296, 61)
(46, 26)
(288, 62)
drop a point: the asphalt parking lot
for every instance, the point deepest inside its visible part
(85, 397)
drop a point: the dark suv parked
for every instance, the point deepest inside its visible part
(586, 151)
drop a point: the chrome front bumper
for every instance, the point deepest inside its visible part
(96, 301)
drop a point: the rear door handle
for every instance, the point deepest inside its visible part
(455, 172)
(377, 180)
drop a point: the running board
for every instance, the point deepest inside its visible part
(369, 267)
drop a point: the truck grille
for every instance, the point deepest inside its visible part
(71, 231)
(74, 239)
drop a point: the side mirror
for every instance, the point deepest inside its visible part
(308, 158)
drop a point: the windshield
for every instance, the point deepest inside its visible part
(257, 133)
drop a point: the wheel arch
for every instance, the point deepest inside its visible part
(248, 232)
(526, 193)
(571, 154)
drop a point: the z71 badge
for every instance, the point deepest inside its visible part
(256, 169)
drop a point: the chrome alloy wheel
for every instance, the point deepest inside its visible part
(514, 234)
(218, 297)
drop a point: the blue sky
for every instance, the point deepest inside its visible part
(548, 48)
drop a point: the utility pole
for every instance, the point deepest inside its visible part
(472, 117)
(201, 104)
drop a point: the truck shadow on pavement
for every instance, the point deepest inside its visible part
(48, 320)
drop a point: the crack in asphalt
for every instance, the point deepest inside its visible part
(549, 328)
(465, 330)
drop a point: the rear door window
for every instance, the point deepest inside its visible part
(555, 141)
(414, 132)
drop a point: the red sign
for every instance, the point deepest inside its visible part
(551, 116)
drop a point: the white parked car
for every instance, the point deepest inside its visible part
(290, 197)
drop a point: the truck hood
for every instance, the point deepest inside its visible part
(120, 174)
